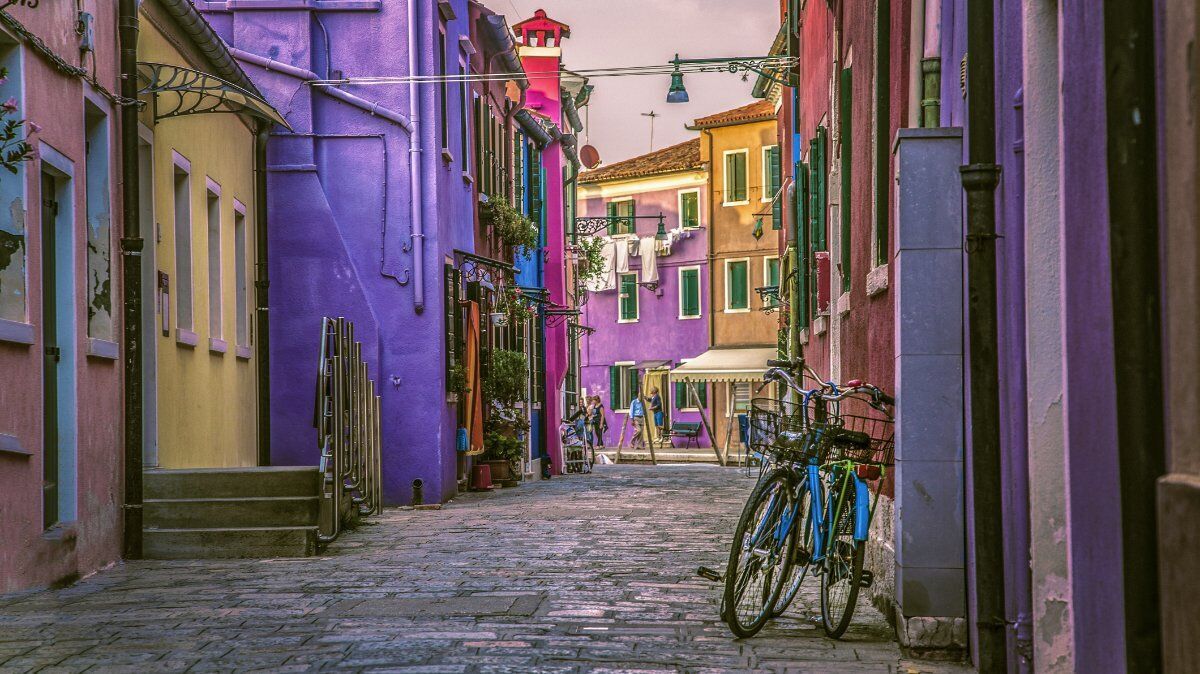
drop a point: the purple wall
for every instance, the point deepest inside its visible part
(659, 333)
(341, 224)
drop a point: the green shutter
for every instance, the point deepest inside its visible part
(801, 242)
(738, 287)
(741, 176)
(633, 391)
(776, 181)
(611, 212)
(614, 387)
(680, 395)
(629, 297)
(845, 118)
(689, 280)
(689, 215)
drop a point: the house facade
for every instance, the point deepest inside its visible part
(648, 318)
(61, 430)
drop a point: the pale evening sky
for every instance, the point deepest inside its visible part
(606, 33)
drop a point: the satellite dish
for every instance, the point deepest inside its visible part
(590, 156)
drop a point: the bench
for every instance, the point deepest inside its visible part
(686, 429)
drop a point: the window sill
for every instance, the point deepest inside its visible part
(217, 346)
(186, 337)
(736, 203)
(877, 280)
(843, 304)
(803, 335)
(103, 348)
(243, 352)
(468, 178)
(627, 320)
(691, 318)
(447, 156)
(820, 325)
(738, 311)
(11, 445)
(16, 332)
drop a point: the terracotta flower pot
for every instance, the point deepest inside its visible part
(501, 470)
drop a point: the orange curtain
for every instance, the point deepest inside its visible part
(475, 395)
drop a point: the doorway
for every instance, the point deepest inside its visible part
(59, 352)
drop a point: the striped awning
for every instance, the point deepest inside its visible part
(728, 364)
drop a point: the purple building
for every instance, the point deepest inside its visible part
(368, 202)
(647, 318)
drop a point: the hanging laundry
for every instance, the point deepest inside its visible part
(646, 250)
(622, 257)
(608, 279)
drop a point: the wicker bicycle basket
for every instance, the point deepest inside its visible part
(864, 439)
(781, 428)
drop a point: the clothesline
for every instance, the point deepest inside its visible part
(616, 254)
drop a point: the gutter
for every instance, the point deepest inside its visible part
(497, 31)
(262, 351)
(533, 128)
(371, 107)
(131, 281)
(572, 112)
(208, 42)
(569, 148)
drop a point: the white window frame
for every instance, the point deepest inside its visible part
(622, 380)
(216, 279)
(767, 276)
(733, 395)
(637, 300)
(729, 285)
(623, 235)
(699, 295)
(184, 334)
(242, 325)
(699, 211)
(766, 172)
(745, 151)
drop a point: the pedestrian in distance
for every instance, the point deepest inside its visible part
(656, 409)
(599, 425)
(637, 414)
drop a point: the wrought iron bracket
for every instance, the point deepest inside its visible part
(574, 330)
(593, 225)
(759, 65)
(556, 315)
(476, 268)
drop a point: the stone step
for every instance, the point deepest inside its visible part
(254, 482)
(229, 543)
(202, 513)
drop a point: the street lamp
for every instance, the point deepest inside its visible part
(760, 65)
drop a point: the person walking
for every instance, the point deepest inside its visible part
(656, 409)
(599, 425)
(637, 414)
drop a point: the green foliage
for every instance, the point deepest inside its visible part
(591, 262)
(456, 380)
(509, 225)
(501, 447)
(507, 380)
(513, 304)
(14, 144)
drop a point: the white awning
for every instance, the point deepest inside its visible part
(729, 364)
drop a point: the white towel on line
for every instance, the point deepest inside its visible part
(646, 250)
(622, 256)
(608, 279)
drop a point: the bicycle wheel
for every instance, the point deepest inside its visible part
(756, 551)
(799, 552)
(842, 568)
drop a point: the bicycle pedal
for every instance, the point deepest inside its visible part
(710, 574)
(867, 579)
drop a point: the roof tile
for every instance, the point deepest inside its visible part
(682, 157)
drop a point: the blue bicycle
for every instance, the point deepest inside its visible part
(812, 509)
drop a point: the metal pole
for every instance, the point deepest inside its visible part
(262, 353)
(131, 270)
(979, 179)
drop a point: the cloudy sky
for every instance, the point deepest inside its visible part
(606, 33)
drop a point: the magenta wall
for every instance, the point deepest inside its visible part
(659, 333)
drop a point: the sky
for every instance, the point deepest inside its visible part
(606, 33)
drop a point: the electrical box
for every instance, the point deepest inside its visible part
(87, 32)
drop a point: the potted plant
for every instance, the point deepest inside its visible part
(590, 267)
(456, 383)
(504, 388)
(508, 224)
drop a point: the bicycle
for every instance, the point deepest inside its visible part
(816, 450)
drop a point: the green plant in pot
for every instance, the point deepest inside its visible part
(504, 388)
(591, 261)
(508, 224)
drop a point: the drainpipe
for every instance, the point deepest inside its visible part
(712, 257)
(979, 179)
(131, 270)
(262, 355)
(414, 163)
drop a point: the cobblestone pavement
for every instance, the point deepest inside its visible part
(577, 574)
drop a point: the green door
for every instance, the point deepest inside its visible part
(50, 453)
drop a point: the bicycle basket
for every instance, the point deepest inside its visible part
(781, 428)
(862, 439)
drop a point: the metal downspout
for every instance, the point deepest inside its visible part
(414, 163)
(262, 355)
(131, 271)
(979, 179)
(712, 257)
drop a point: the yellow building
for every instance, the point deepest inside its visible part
(199, 219)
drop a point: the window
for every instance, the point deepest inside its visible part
(845, 135)
(736, 193)
(629, 298)
(622, 385)
(737, 286)
(689, 292)
(464, 140)
(741, 396)
(99, 268)
(771, 278)
(183, 248)
(443, 92)
(241, 280)
(771, 171)
(625, 209)
(689, 208)
(214, 261)
(683, 395)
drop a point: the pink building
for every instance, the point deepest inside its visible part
(61, 425)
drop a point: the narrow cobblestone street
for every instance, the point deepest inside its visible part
(577, 574)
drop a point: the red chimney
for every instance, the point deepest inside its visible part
(541, 31)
